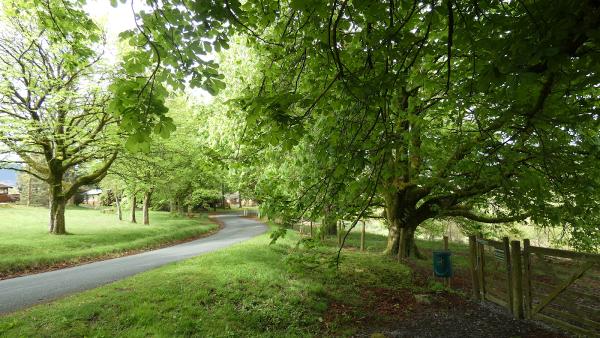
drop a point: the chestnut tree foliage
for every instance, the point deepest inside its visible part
(480, 110)
(431, 109)
(54, 120)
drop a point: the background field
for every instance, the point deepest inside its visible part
(25, 243)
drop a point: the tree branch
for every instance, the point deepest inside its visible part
(468, 214)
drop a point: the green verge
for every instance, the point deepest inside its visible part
(26, 245)
(249, 289)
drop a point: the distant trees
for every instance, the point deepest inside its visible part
(62, 112)
(53, 99)
(33, 191)
(181, 171)
(136, 173)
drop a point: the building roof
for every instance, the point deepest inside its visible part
(5, 186)
(232, 195)
(93, 192)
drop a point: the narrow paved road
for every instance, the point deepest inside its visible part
(21, 292)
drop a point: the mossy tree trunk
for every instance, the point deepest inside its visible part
(57, 208)
(118, 206)
(146, 207)
(133, 205)
(403, 218)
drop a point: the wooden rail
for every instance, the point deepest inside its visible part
(529, 288)
(565, 254)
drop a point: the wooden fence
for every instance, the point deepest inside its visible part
(491, 271)
(309, 228)
(250, 212)
(556, 286)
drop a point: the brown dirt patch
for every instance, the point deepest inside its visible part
(420, 312)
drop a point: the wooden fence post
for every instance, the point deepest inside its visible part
(515, 255)
(474, 260)
(362, 236)
(481, 266)
(311, 229)
(509, 287)
(527, 279)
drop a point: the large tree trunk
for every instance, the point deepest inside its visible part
(146, 207)
(393, 239)
(408, 246)
(401, 236)
(118, 206)
(133, 203)
(172, 208)
(240, 198)
(57, 209)
(403, 220)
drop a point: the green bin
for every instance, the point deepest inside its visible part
(442, 263)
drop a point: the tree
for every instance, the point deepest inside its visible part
(181, 170)
(138, 172)
(192, 159)
(433, 110)
(53, 101)
(169, 50)
(448, 108)
(33, 191)
(113, 186)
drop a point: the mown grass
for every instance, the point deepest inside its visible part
(25, 243)
(247, 290)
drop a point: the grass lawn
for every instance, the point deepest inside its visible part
(250, 289)
(254, 289)
(26, 245)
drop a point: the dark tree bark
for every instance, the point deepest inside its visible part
(57, 206)
(118, 206)
(146, 207)
(133, 203)
(403, 218)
